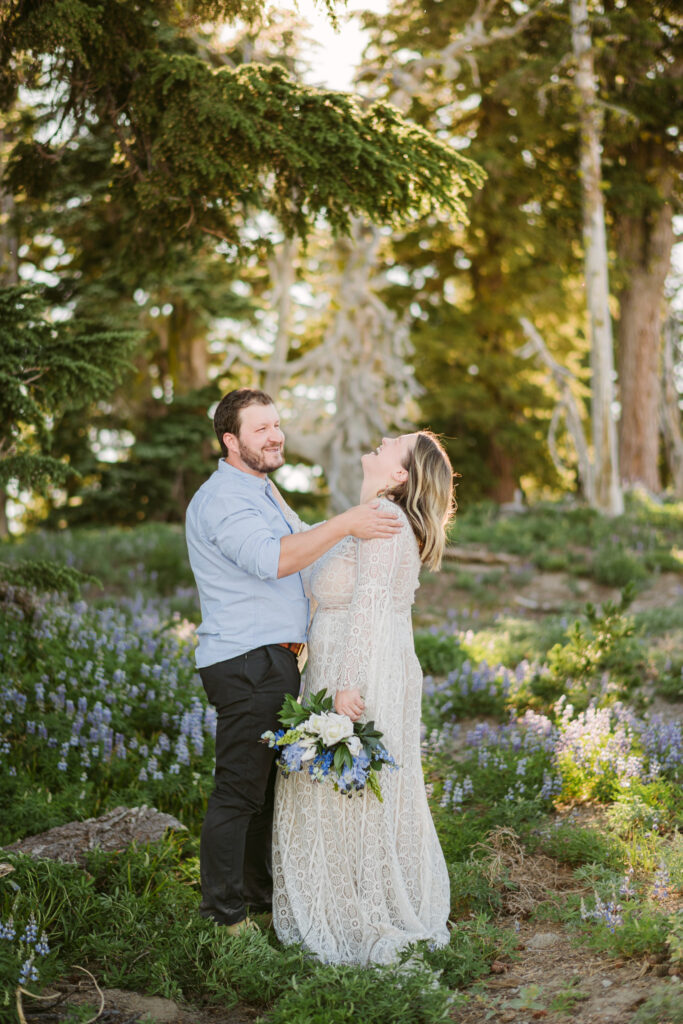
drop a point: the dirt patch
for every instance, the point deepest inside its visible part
(558, 592)
(667, 590)
(588, 815)
(550, 967)
(537, 593)
(552, 976)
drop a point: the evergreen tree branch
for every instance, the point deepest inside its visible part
(198, 148)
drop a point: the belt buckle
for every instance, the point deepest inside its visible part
(299, 652)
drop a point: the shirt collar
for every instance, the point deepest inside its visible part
(258, 483)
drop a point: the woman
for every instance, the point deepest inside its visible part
(355, 880)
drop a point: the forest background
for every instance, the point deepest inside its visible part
(195, 219)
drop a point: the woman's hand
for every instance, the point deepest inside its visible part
(349, 702)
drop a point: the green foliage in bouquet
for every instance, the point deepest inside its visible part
(305, 742)
(294, 714)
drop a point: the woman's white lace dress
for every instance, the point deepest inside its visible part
(355, 880)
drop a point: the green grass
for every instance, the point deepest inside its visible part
(511, 640)
(410, 994)
(150, 559)
(574, 845)
(153, 892)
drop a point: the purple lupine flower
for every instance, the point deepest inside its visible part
(31, 930)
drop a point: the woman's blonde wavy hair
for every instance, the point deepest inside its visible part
(426, 496)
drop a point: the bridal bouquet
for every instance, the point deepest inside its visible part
(329, 746)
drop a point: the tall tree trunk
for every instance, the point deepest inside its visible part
(9, 275)
(503, 467)
(609, 497)
(644, 248)
(672, 428)
(187, 350)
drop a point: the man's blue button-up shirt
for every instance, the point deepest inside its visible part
(233, 527)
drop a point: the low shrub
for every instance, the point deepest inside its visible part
(627, 931)
(604, 643)
(665, 1005)
(614, 566)
(647, 807)
(574, 845)
(409, 993)
(669, 681)
(438, 653)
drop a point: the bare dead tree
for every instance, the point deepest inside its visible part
(341, 396)
(608, 493)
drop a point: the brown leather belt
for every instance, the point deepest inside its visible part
(295, 648)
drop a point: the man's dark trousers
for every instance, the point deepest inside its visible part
(236, 841)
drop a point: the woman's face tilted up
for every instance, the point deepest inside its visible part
(384, 467)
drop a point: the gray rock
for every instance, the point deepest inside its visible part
(133, 1005)
(543, 940)
(112, 831)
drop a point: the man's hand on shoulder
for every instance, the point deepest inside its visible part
(367, 522)
(371, 522)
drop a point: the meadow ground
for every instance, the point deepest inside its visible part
(552, 645)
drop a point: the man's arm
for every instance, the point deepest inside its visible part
(367, 522)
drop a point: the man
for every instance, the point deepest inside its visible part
(246, 559)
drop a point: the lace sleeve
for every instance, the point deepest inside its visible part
(379, 566)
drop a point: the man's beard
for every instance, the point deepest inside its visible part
(261, 461)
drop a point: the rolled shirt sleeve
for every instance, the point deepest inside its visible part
(243, 536)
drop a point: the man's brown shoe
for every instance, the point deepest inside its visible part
(240, 926)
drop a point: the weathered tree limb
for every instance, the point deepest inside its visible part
(458, 554)
(567, 405)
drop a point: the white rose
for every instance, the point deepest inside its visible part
(309, 743)
(355, 746)
(314, 724)
(330, 727)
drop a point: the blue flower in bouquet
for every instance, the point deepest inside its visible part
(321, 765)
(361, 761)
(292, 757)
(356, 776)
(382, 754)
(273, 738)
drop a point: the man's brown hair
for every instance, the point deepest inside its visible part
(227, 417)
